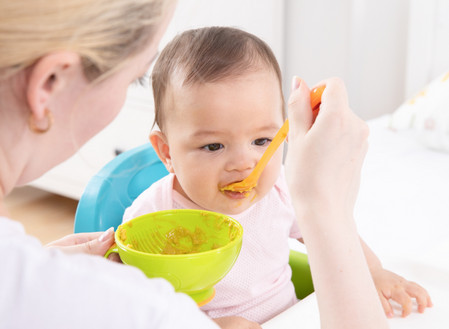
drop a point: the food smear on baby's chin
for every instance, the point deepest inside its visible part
(239, 187)
(239, 195)
(236, 194)
(242, 187)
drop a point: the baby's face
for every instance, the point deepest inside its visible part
(216, 134)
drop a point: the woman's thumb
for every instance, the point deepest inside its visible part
(299, 111)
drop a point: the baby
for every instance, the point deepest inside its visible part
(218, 104)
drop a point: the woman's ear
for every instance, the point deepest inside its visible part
(47, 77)
(160, 145)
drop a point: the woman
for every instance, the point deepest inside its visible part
(64, 70)
(65, 67)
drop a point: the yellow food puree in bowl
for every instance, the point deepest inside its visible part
(181, 240)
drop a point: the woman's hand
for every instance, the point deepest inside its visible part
(94, 243)
(323, 167)
(324, 158)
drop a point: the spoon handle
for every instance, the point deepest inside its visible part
(271, 149)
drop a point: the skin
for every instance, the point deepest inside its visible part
(324, 204)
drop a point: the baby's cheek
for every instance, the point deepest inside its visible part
(265, 185)
(201, 190)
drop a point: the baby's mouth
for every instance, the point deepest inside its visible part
(235, 194)
(238, 187)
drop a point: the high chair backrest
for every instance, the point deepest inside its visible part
(115, 186)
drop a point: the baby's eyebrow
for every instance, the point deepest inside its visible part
(260, 130)
(270, 127)
(204, 133)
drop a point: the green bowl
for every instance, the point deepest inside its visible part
(192, 249)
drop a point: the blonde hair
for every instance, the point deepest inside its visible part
(105, 33)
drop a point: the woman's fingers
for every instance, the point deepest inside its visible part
(334, 97)
(95, 243)
(299, 110)
(74, 239)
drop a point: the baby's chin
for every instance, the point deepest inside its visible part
(234, 206)
(229, 211)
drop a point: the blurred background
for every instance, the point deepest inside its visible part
(384, 50)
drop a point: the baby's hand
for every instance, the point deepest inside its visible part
(392, 286)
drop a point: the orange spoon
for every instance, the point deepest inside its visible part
(315, 100)
(250, 182)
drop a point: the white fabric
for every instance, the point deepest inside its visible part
(403, 203)
(44, 288)
(258, 286)
(428, 114)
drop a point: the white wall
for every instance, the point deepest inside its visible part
(428, 43)
(361, 41)
(261, 17)
(384, 50)
(264, 18)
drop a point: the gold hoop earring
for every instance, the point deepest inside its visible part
(34, 128)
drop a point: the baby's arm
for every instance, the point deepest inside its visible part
(392, 286)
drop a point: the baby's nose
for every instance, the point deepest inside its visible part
(242, 161)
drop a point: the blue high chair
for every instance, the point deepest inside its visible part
(120, 181)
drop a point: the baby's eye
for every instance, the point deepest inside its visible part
(213, 147)
(262, 141)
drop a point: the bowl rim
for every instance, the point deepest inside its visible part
(230, 245)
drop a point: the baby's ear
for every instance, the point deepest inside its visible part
(160, 145)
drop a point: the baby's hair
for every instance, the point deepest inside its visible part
(208, 54)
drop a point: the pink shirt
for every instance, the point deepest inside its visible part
(258, 287)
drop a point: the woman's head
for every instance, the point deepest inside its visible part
(204, 55)
(73, 59)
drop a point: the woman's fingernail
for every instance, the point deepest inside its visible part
(295, 82)
(106, 234)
